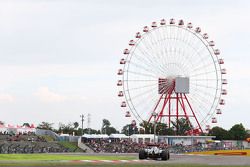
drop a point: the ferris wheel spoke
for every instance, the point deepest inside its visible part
(205, 86)
(142, 74)
(132, 107)
(148, 108)
(203, 66)
(148, 50)
(182, 48)
(151, 62)
(143, 68)
(200, 106)
(143, 93)
(203, 73)
(160, 54)
(207, 96)
(146, 100)
(202, 99)
(142, 80)
(200, 110)
(202, 79)
(197, 50)
(204, 93)
(140, 87)
(197, 54)
(184, 52)
(204, 63)
(200, 87)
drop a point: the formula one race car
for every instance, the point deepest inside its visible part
(153, 151)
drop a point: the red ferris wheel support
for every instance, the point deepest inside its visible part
(173, 92)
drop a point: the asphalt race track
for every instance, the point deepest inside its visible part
(191, 159)
(174, 159)
(210, 159)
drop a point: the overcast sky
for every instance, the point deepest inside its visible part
(59, 58)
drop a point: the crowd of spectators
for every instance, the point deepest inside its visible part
(25, 137)
(27, 143)
(127, 146)
(116, 146)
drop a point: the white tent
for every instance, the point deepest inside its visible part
(94, 136)
(86, 136)
(25, 130)
(3, 129)
(118, 136)
(142, 138)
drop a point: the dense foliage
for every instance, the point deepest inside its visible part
(237, 132)
(180, 127)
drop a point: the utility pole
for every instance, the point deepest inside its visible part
(89, 123)
(154, 114)
(82, 119)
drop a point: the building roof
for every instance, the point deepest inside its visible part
(95, 136)
(119, 136)
(210, 137)
(142, 136)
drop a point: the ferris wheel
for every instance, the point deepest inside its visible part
(172, 71)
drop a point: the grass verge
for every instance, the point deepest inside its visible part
(72, 146)
(110, 165)
(58, 157)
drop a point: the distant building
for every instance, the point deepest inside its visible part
(170, 140)
(184, 140)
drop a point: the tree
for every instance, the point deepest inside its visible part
(169, 131)
(181, 126)
(161, 128)
(148, 127)
(126, 129)
(111, 130)
(220, 133)
(45, 125)
(76, 125)
(106, 128)
(66, 128)
(105, 124)
(238, 132)
(26, 124)
(86, 131)
(129, 129)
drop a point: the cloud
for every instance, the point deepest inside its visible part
(46, 95)
(6, 98)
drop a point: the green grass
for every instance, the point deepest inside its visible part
(58, 157)
(48, 138)
(108, 165)
(71, 146)
(57, 160)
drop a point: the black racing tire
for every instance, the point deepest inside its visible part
(142, 154)
(165, 155)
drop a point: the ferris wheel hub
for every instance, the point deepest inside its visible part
(173, 84)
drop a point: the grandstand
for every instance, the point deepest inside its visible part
(28, 140)
(32, 140)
